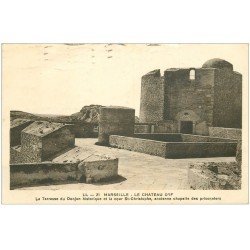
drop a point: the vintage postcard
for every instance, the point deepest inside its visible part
(124, 123)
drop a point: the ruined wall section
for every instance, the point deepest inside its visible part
(152, 97)
(227, 99)
(185, 94)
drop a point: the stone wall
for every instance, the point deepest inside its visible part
(160, 137)
(142, 128)
(180, 150)
(165, 127)
(227, 99)
(177, 137)
(228, 133)
(152, 97)
(174, 149)
(159, 127)
(138, 145)
(200, 138)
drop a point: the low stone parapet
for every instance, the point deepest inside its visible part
(174, 149)
(146, 146)
(178, 150)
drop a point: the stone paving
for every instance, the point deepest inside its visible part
(138, 171)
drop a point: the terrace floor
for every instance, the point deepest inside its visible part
(137, 171)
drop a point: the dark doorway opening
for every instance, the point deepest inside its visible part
(186, 127)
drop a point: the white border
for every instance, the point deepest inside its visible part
(123, 227)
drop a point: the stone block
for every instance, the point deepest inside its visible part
(98, 167)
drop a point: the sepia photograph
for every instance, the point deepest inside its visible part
(125, 123)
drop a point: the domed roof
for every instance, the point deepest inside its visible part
(217, 63)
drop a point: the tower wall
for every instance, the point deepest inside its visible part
(152, 97)
(227, 99)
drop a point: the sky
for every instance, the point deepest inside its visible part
(62, 78)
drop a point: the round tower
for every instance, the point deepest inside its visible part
(152, 97)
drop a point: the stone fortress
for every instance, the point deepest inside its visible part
(191, 100)
(192, 113)
(186, 113)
